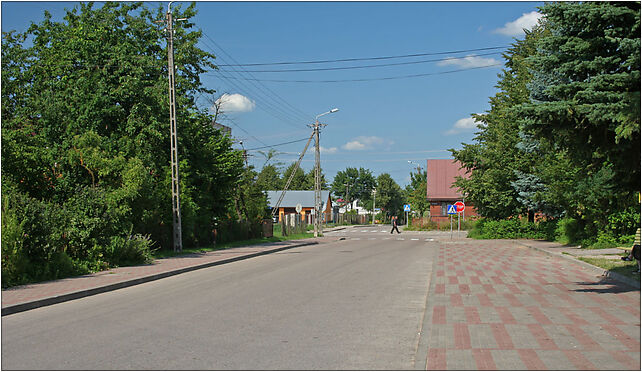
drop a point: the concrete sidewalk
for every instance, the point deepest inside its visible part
(31, 296)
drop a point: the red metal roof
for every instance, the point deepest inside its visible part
(441, 175)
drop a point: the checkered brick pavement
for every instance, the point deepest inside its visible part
(496, 305)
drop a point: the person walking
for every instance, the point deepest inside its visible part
(394, 225)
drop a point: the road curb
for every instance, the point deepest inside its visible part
(598, 270)
(17, 308)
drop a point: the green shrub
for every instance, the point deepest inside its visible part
(505, 229)
(568, 231)
(136, 249)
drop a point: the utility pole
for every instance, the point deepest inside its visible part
(176, 203)
(317, 174)
(374, 202)
(317, 180)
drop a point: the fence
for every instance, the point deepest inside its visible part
(231, 231)
(352, 219)
(293, 224)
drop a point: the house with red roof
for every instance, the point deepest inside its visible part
(441, 174)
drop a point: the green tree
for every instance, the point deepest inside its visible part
(416, 192)
(269, 178)
(300, 181)
(250, 200)
(353, 184)
(389, 195)
(585, 103)
(85, 130)
(494, 161)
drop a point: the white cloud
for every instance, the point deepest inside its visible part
(463, 125)
(325, 150)
(470, 61)
(366, 143)
(516, 27)
(235, 103)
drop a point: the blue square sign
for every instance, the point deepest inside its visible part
(452, 209)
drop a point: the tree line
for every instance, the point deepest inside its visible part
(562, 136)
(85, 142)
(85, 145)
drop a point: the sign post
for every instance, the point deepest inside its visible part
(459, 207)
(452, 209)
(406, 208)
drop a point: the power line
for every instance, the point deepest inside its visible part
(372, 79)
(365, 58)
(373, 66)
(278, 144)
(270, 108)
(267, 91)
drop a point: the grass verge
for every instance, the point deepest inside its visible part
(218, 247)
(625, 268)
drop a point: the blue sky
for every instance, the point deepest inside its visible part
(382, 123)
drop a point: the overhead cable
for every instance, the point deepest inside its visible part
(365, 58)
(304, 117)
(372, 79)
(373, 66)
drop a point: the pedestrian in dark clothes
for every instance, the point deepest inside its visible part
(394, 225)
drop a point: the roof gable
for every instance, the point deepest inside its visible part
(441, 174)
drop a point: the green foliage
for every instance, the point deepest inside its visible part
(353, 184)
(85, 142)
(416, 192)
(562, 136)
(389, 195)
(506, 229)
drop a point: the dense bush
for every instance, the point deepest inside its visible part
(514, 228)
(571, 231)
(45, 241)
(85, 161)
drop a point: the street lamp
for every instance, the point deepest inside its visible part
(317, 174)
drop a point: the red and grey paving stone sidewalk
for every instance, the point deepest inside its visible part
(32, 296)
(505, 306)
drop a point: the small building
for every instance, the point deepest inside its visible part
(303, 197)
(354, 206)
(223, 128)
(441, 174)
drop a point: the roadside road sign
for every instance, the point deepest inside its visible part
(452, 209)
(406, 207)
(460, 206)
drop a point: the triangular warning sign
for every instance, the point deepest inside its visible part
(452, 209)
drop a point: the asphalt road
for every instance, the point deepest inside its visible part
(353, 304)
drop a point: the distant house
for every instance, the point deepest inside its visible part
(303, 197)
(441, 174)
(223, 128)
(346, 207)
